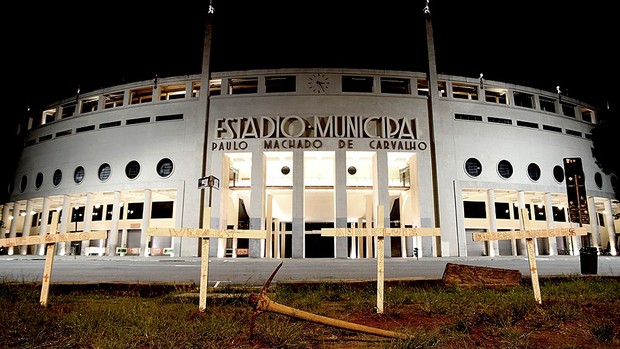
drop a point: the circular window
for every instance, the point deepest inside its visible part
(285, 170)
(132, 170)
(78, 175)
(504, 168)
(533, 171)
(9, 188)
(598, 179)
(352, 170)
(164, 167)
(104, 172)
(57, 177)
(39, 180)
(558, 173)
(473, 167)
(23, 183)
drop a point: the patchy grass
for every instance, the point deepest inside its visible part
(577, 312)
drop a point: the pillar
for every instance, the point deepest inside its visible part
(146, 221)
(521, 242)
(65, 219)
(257, 201)
(553, 245)
(491, 222)
(381, 194)
(27, 225)
(88, 218)
(611, 229)
(113, 234)
(594, 229)
(298, 249)
(13, 226)
(340, 203)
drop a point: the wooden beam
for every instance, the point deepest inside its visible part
(52, 238)
(523, 234)
(208, 233)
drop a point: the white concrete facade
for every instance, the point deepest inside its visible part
(364, 141)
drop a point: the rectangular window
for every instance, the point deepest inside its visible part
(475, 209)
(89, 105)
(138, 121)
(500, 120)
(527, 124)
(242, 86)
(196, 88)
(169, 117)
(77, 214)
(135, 210)
(502, 210)
(464, 91)
(170, 92)
(215, 87)
(109, 124)
(568, 110)
(573, 133)
(162, 209)
(85, 128)
(97, 212)
(113, 100)
(357, 83)
(30, 142)
(68, 110)
(552, 128)
(525, 100)
(586, 115)
(468, 117)
(48, 116)
(275, 84)
(547, 104)
(141, 95)
(45, 138)
(63, 133)
(496, 95)
(396, 86)
(539, 213)
(559, 214)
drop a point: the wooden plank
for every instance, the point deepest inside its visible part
(207, 233)
(523, 234)
(52, 238)
(473, 275)
(380, 231)
(47, 274)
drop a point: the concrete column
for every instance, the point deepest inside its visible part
(269, 227)
(5, 218)
(521, 242)
(27, 226)
(65, 219)
(257, 201)
(381, 195)
(146, 222)
(491, 221)
(45, 212)
(611, 229)
(298, 249)
(553, 246)
(113, 234)
(88, 219)
(513, 242)
(123, 242)
(340, 202)
(594, 229)
(13, 226)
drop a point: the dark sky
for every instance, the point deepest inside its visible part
(52, 48)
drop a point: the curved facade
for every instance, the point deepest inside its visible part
(297, 150)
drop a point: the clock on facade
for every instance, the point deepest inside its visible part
(318, 83)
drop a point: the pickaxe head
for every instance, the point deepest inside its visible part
(255, 299)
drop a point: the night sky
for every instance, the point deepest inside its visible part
(53, 48)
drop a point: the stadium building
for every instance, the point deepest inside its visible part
(293, 151)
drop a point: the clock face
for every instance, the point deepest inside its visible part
(318, 83)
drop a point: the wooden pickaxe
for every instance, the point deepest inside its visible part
(262, 303)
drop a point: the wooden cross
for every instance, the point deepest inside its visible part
(50, 240)
(380, 232)
(529, 236)
(206, 234)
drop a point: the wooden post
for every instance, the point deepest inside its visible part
(205, 234)
(380, 232)
(50, 241)
(529, 236)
